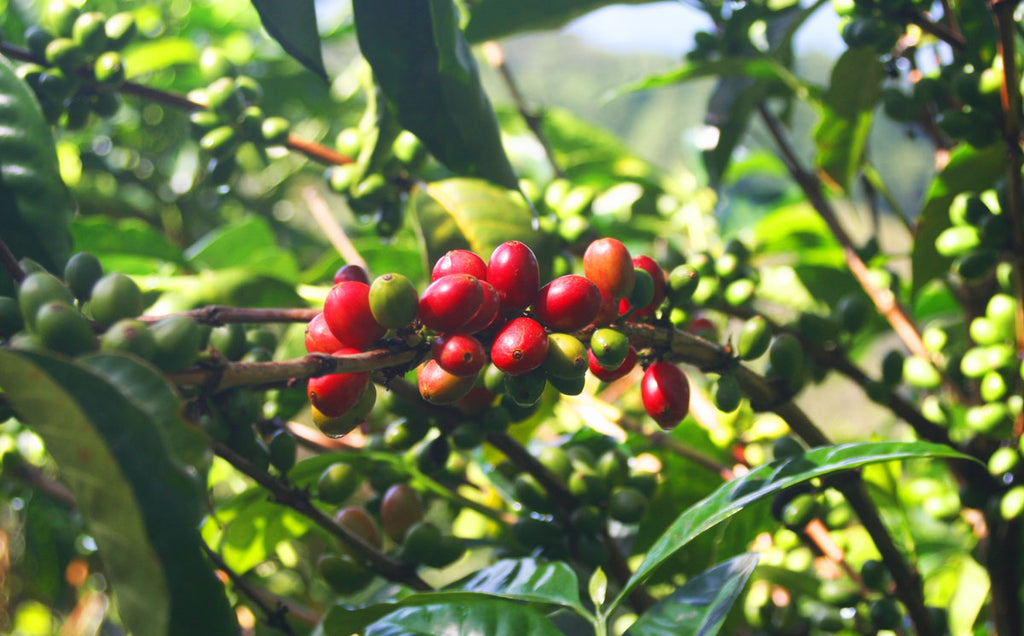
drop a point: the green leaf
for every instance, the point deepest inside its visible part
(474, 215)
(425, 68)
(35, 206)
(150, 56)
(969, 169)
(847, 112)
(768, 479)
(700, 606)
(141, 507)
(478, 616)
(760, 68)
(729, 109)
(293, 25)
(493, 19)
(527, 580)
(249, 243)
(104, 236)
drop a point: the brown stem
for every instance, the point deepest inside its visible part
(10, 263)
(299, 501)
(496, 58)
(274, 617)
(216, 315)
(311, 149)
(948, 35)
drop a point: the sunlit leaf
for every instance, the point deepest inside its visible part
(293, 25)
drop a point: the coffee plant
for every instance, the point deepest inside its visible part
(297, 347)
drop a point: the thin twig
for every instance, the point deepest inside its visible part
(10, 263)
(496, 58)
(948, 35)
(332, 229)
(216, 315)
(275, 618)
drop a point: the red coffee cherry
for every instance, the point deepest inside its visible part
(459, 354)
(660, 279)
(608, 264)
(437, 386)
(666, 394)
(488, 312)
(459, 262)
(319, 338)
(568, 303)
(449, 302)
(520, 346)
(609, 311)
(348, 315)
(514, 272)
(400, 510)
(336, 393)
(610, 375)
(356, 273)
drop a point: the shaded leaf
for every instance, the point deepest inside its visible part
(969, 169)
(293, 25)
(249, 243)
(140, 506)
(847, 113)
(474, 215)
(729, 109)
(733, 496)
(761, 68)
(104, 237)
(425, 68)
(477, 616)
(700, 606)
(35, 206)
(493, 19)
(237, 286)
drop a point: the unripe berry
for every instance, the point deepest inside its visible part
(459, 262)
(37, 289)
(348, 315)
(178, 340)
(63, 328)
(607, 263)
(81, 272)
(394, 300)
(520, 346)
(610, 375)
(115, 296)
(131, 336)
(568, 303)
(459, 354)
(343, 573)
(666, 394)
(610, 347)
(450, 302)
(355, 520)
(515, 274)
(567, 356)
(400, 509)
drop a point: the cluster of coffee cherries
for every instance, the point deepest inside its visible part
(77, 46)
(233, 117)
(395, 517)
(475, 313)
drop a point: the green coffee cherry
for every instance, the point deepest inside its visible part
(682, 282)
(130, 336)
(407, 148)
(852, 312)
(37, 38)
(343, 574)
(115, 296)
(613, 466)
(557, 461)
(589, 487)
(993, 386)
(203, 121)
(529, 492)
(567, 356)
(282, 449)
(63, 328)
(37, 289)
(337, 483)
(1004, 460)
(786, 359)
(60, 17)
(799, 512)
(643, 289)
(419, 542)
(229, 340)
(275, 131)
(957, 241)
(109, 69)
(992, 418)
(739, 292)
(120, 29)
(214, 64)
(754, 338)
(1002, 311)
(447, 551)
(646, 483)
(81, 272)
(726, 393)
(224, 98)
(65, 55)
(976, 264)
(610, 347)
(885, 613)
(568, 386)
(627, 505)
(1011, 505)
(77, 111)
(467, 435)
(526, 389)
(220, 142)
(533, 533)
(967, 209)
(106, 103)
(249, 88)
(177, 343)
(393, 300)
(251, 123)
(921, 373)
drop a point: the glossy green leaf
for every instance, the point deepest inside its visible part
(35, 206)
(107, 237)
(494, 19)
(293, 25)
(249, 242)
(527, 580)
(141, 507)
(425, 68)
(733, 496)
(847, 113)
(969, 169)
(701, 605)
(474, 215)
(732, 103)
(478, 616)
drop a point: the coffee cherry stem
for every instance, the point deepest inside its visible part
(10, 263)
(299, 501)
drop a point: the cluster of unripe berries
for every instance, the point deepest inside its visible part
(82, 65)
(476, 312)
(232, 117)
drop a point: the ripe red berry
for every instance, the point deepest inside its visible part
(459, 354)
(488, 312)
(610, 375)
(459, 262)
(608, 264)
(449, 302)
(609, 311)
(520, 346)
(568, 303)
(348, 315)
(514, 272)
(336, 393)
(437, 386)
(319, 338)
(352, 272)
(666, 394)
(659, 277)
